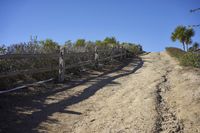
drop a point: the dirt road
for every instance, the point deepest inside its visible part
(156, 95)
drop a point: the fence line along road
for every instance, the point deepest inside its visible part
(66, 59)
(23, 56)
(24, 86)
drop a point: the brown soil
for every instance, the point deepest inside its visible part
(156, 95)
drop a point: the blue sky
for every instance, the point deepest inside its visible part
(148, 22)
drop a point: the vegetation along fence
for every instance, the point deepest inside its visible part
(66, 58)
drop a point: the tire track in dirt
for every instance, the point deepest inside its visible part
(167, 120)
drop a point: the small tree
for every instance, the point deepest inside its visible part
(110, 40)
(80, 43)
(133, 48)
(184, 35)
(99, 43)
(50, 46)
(194, 47)
(2, 49)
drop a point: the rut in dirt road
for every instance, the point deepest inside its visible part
(167, 120)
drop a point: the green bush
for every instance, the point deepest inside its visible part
(190, 59)
(78, 51)
(185, 58)
(135, 49)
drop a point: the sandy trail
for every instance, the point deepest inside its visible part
(160, 96)
(147, 100)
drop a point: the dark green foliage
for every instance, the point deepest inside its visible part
(80, 43)
(190, 59)
(133, 48)
(49, 46)
(185, 58)
(184, 35)
(195, 47)
(110, 41)
(100, 43)
(2, 49)
(22, 64)
(48, 51)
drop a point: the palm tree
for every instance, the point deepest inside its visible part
(183, 34)
(188, 35)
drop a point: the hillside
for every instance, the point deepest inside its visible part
(152, 95)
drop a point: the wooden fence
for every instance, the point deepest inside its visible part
(67, 58)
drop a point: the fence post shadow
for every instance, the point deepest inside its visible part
(62, 105)
(32, 121)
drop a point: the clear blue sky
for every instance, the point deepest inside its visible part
(148, 22)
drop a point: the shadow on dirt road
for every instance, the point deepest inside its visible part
(11, 106)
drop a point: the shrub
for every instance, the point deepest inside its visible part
(135, 49)
(80, 43)
(185, 58)
(190, 59)
(175, 52)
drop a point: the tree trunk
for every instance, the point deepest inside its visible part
(183, 46)
(187, 47)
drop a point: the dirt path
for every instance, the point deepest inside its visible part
(133, 102)
(156, 95)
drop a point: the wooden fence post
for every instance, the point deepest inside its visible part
(61, 65)
(112, 53)
(121, 52)
(96, 57)
(125, 56)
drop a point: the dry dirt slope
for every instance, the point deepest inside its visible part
(159, 97)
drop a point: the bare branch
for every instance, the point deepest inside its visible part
(194, 26)
(194, 10)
